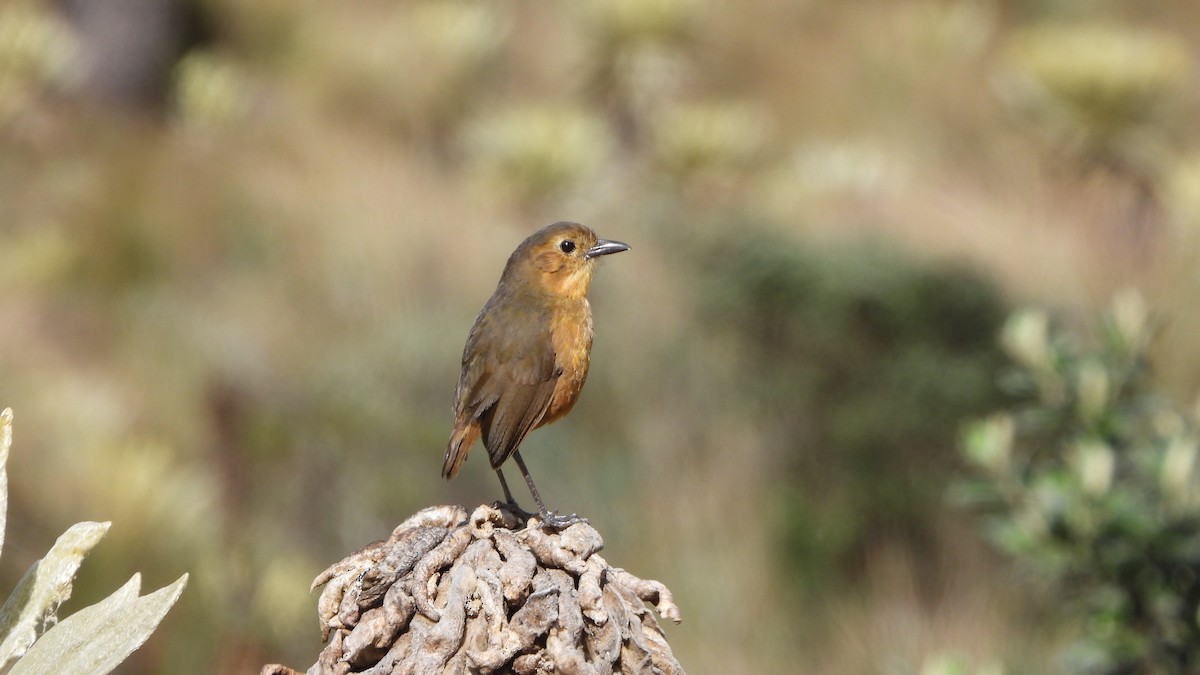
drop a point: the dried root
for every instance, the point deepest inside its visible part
(452, 593)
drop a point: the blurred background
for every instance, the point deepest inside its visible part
(242, 242)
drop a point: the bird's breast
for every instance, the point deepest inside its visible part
(572, 336)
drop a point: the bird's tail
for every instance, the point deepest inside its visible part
(456, 449)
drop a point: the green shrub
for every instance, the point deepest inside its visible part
(1091, 481)
(843, 352)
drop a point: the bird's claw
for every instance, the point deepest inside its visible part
(553, 521)
(512, 507)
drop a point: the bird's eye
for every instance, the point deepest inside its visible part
(566, 246)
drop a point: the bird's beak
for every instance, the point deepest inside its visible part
(605, 247)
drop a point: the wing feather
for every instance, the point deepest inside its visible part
(514, 415)
(508, 378)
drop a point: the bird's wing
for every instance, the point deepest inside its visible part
(518, 411)
(507, 381)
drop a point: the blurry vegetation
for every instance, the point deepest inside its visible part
(1091, 480)
(1105, 95)
(842, 352)
(950, 664)
(641, 55)
(415, 67)
(1095, 88)
(706, 145)
(209, 91)
(239, 309)
(36, 54)
(536, 153)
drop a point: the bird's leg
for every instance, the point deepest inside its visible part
(504, 484)
(508, 498)
(550, 519)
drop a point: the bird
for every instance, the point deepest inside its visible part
(527, 354)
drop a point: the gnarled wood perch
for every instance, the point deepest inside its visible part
(452, 593)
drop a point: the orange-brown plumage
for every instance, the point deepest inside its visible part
(526, 357)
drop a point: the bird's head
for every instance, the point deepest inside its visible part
(560, 258)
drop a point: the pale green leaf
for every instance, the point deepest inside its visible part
(6, 418)
(31, 608)
(98, 638)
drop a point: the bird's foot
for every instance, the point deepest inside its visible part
(551, 520)
(513, 508)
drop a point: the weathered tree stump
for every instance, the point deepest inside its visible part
(452, 593)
